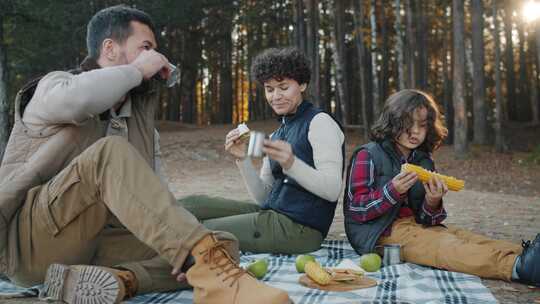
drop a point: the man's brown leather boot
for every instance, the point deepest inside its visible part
(217, 278)
(85, 284)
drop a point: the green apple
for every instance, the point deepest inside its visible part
(258, 268)
(301, 261)
(370, 262)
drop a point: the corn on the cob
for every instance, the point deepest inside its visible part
(315, 272)
(424, 175)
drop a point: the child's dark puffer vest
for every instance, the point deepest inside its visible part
(363, 236)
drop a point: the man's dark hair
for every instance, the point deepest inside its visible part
(397, 117)
(280, 63)
(114, 23)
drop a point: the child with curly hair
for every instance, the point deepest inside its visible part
(383, 206)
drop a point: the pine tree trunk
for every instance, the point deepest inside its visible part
(498, 124)
(421, 61)
(399, 45)
(479, 89)
(172, 94)
(374, 73)
(533, 76)
(460, 110)
(215, 106)
(326, 64)
(312, 7)
(253, 46)
(534, 46)
(447, 83)
(239, 95)
(338, 50)
(359, 41)
(326, 86)
(166, 96)
(469, 65)
(192, 51)
(411, 44)
(509, 62)
(199, 111)
(523, 110)
(300, 29)
(4, 104)
(225, 77)
(383, 93)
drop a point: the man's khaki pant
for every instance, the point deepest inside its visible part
(107, 208)
(453, 249)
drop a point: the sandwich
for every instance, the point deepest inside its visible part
(244, 131)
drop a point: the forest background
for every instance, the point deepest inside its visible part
(479, 58)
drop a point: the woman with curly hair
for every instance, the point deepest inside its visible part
(300, 179)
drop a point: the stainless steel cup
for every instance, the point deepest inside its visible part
(392, 254)
(172, 79)
(174, 76)
(255, 145)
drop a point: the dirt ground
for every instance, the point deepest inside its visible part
(501, 197)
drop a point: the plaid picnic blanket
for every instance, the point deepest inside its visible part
(403, 283)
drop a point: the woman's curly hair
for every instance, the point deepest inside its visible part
(397, 117)
(281, 63)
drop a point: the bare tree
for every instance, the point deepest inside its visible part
(460, 110)
(479, 89)
(499, 138)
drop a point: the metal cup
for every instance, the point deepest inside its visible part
(174, 76)
(255, 145)
(392, 254)
(172, 79)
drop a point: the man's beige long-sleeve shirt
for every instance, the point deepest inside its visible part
(64, 98)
